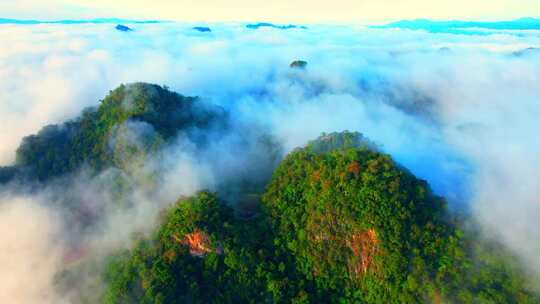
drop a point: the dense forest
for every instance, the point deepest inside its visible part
(98, 137)
(341, 223)
(335, 221)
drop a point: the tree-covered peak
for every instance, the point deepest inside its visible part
(165, 110)
(366, 230)
(343, 226)
(202, 214)
(339, 141)
(355, 220)
(131, 121)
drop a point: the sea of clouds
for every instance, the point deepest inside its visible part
(460, 111)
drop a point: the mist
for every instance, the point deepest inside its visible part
(32, 254)
(460, 111)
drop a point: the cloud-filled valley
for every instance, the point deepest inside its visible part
(460, 111)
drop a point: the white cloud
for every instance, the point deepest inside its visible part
(29, 252)
(465, 118)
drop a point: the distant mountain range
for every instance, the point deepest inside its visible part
(129, 21)
(448, 26)
(464, 27)
(255, 26)
(70, 21)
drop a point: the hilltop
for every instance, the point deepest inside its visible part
(340, 222)
(334, 221)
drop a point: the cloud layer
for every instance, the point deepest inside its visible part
(30, 254)
(458, 110)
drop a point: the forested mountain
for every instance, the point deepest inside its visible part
(338, 221)
(103, 136)
(341, 223)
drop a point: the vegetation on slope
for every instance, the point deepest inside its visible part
(100, 137)
(202, 254)
(341, 223)
(357, 222)
(367, 230)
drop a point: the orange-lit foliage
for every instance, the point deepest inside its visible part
(354, 167)
(326, 185)
(170, 256)
(316, 175)
(196, 241)
(364, 246)
(436, 297)
(333, 240)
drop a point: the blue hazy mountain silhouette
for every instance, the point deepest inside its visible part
(123, 28)
(255, 26)
(74, 21)
(202, 29)
(464, 27)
